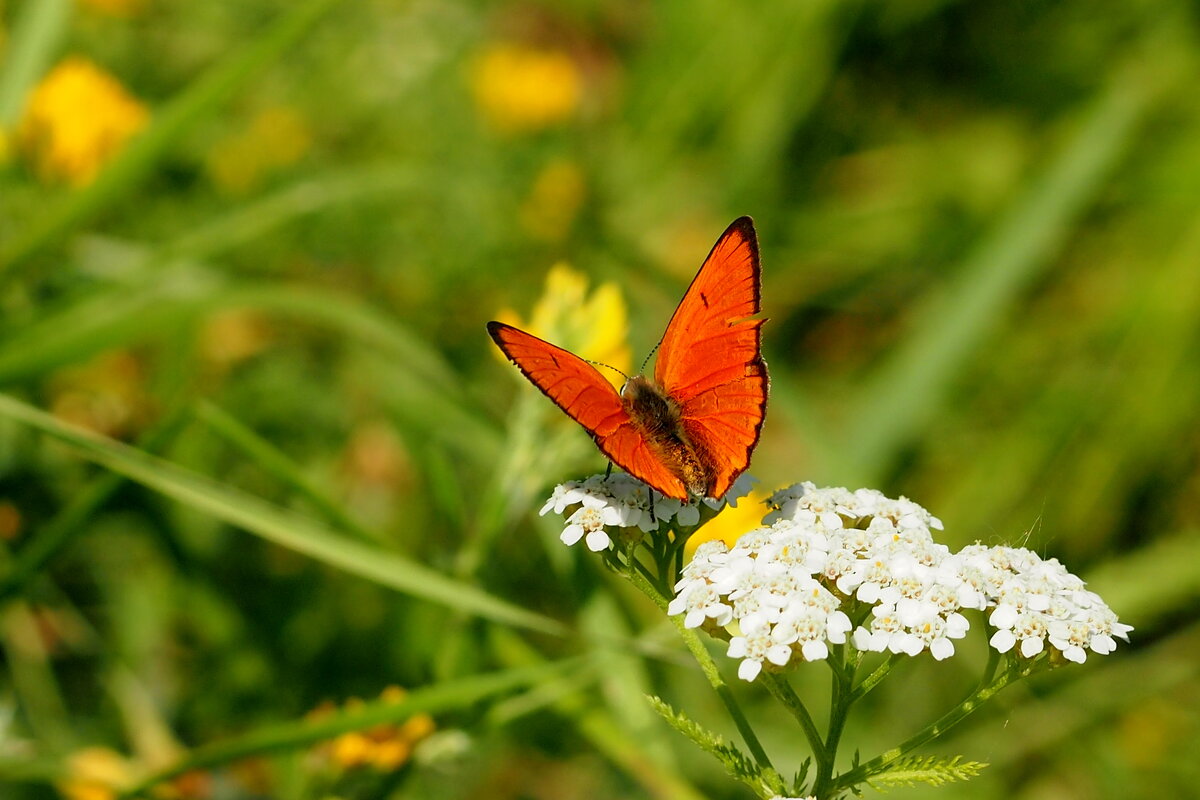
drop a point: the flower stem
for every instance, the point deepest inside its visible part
(868, 683)
(709, 668)
(951, 718)
(840, 699)
(782, 691)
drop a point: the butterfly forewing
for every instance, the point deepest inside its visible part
(583, 393)
(711, 381)
(710, 359)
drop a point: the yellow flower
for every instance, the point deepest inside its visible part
(594, 328)
(230, 337)
(521, 88)
(385, 747)
(100, 773)
(95, 773)
(276, 138)
(730, 524)
(77, 118)
(553, 203)
(107, 394)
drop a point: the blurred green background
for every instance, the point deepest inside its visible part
(260, 240)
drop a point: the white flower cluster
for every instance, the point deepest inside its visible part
(782, 591)
(622, 501)
(1036, 600)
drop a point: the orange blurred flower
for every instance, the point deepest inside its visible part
(385, 747)
(10, 521)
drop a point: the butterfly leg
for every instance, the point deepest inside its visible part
(608, 471)
(650, 492)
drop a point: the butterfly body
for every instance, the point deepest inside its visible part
(689, 430)
(659, 418)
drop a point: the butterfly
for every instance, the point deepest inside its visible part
(690, 429)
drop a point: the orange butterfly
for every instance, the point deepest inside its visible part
(688, 432)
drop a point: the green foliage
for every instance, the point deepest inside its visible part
(736, 763)
(256, 452)
(929, 770)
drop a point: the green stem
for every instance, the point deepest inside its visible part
(840, 699)
(871, 681)
(295, 734)
(935, 729)
(993, 661)
(709, 668)
(782, 691)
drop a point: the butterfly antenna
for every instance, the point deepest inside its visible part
(609, 366)
(650, 355)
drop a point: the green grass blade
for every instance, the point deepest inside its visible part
(272, 461)
(256, 219)
(442, 697)
(282, 527)
(52, 537)
(37, 32)
(121, 316)
(203, 96)
(905, 393)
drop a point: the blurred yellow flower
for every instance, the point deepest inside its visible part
(595, 328)
(276, 137)
(385, 747)
(730, 524)
(230, 337)
(100, 773)
(522, 88)
(77, 118)
(95, 773)
(554, 201)
(106, 395)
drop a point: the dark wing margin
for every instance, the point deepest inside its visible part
(710, 359)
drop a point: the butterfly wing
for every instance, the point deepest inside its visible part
(581, 391)
(710, 359)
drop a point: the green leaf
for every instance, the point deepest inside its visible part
(737, 763)
(34, 39)
(906, 392)
(285, 528)
(930, 770)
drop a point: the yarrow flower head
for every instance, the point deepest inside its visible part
(787, 590)
(603, 502)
